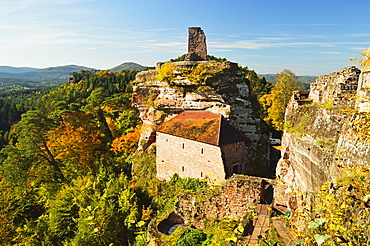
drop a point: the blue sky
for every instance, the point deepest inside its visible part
(308, 37)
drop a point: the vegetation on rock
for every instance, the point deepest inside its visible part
(339, 213)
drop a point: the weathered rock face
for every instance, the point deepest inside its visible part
(363, 90)
(321, 138)
(339, 87)
(197, 47)
(224, 92)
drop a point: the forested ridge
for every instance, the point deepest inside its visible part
(59, 177)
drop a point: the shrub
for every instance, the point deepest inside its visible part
(192, 238)
(188, 183)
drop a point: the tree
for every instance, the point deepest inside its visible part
(259, 86)
(276, 102)
(75, 142)
(32, 142)
(126, 144)
(364, 60)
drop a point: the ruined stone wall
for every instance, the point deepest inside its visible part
(197, 47)
(234, 200)
(187, 158)
(338, 87)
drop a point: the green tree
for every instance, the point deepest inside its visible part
(32, 146)
(259, 86)
(275, 103)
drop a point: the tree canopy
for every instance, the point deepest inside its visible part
(274, 104)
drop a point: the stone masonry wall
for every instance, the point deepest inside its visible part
(233, 154)
(234, 201)
(197, 47)
(339, 87)
(187, 158)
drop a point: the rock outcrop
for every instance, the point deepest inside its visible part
(218, 87)
(363, 89)
(338, 87)
(321, 134)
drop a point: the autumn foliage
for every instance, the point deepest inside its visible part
(126, 144)
(339, 213)
(364, 60)
(275, 103)
(75, 140)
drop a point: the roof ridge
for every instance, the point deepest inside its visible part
(202, 126)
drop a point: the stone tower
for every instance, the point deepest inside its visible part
(197, 47)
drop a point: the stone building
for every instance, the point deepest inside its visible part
(199, 143)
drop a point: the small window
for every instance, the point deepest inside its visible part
(202, 151)
(183, 146)
(201, 175)
(166, 140)
(183, 168)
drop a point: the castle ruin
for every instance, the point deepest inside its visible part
(197, 47)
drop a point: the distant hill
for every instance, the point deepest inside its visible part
(128, 66)
(305, 80)
(60, 72)
(8, 69)
(15, 78)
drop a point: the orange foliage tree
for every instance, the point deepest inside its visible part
(127, 144)
(75, 141)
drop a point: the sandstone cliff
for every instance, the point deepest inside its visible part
(323, 131)
(218, 87)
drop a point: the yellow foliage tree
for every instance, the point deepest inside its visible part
(165, 73)
(364, 60)
(339, 213)
(276, 102)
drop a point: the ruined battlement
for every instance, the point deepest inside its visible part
(338, 87)
(197, 46)
(299, 98)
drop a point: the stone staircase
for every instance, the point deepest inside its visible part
(262, 222)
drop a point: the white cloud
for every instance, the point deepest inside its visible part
(330, 53)
(357, 48)
(356, 35)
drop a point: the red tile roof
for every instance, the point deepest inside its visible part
(202, 126)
